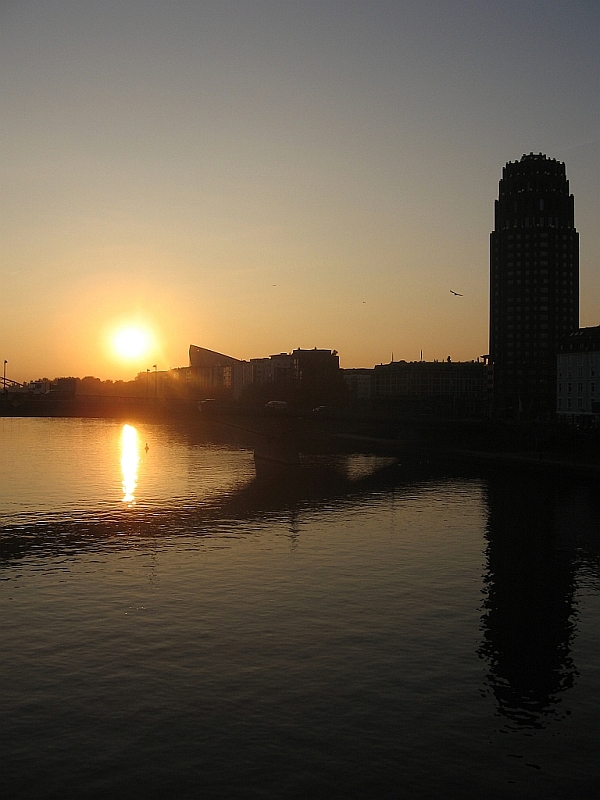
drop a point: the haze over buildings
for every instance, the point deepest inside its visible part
(262, 175)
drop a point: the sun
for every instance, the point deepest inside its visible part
(131, 342)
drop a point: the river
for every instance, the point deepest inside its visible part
(172, 626)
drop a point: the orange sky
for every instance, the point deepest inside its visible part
(254, 177)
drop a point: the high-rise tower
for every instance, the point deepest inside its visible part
(534, 283)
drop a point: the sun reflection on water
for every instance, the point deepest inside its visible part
(130, 459)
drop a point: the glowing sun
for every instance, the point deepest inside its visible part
(131, 342)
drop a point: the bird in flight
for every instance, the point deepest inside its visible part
(458, 294)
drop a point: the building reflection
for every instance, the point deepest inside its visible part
(130, 459)
(529, 616)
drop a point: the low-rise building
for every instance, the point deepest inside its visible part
(302, 377)
(359, 383)
(215, 374)
(432, 387)
(430, 379)
(272, 369)
(578, 378)
(210, 373)
(315, 365)
(297, 366)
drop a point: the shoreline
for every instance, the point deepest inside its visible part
(533, 446)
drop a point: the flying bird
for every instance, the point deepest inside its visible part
(458, 294)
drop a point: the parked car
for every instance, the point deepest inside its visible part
(207, 405)
(276, 405)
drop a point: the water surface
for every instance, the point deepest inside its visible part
(173, 627)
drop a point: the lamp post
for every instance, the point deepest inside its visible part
(147, 381)
(155, 380)
(4, 377)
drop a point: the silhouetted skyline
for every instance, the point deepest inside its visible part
(263, 175)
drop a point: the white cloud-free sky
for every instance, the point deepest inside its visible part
(257, 176)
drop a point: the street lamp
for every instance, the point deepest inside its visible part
(4, 376)
(155, 380)
(147, 380)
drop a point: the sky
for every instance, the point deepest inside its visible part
(258, 176)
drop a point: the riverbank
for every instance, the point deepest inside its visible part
(532, 445)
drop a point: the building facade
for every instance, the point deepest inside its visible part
(578, 378)
(359, 383)
(296, 367)
(432, 387)
(216, 375)
(210, 374)
(534, 284)
(430, 379)
(277, 368)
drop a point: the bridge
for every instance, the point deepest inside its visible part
(6, 382)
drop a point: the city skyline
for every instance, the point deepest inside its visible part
(257, 177)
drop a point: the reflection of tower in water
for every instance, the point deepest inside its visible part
(528, 621)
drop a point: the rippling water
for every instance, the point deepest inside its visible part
(173, 627)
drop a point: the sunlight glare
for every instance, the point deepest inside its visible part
(130, 459)
(131, 342)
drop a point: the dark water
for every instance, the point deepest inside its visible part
(173, 627)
